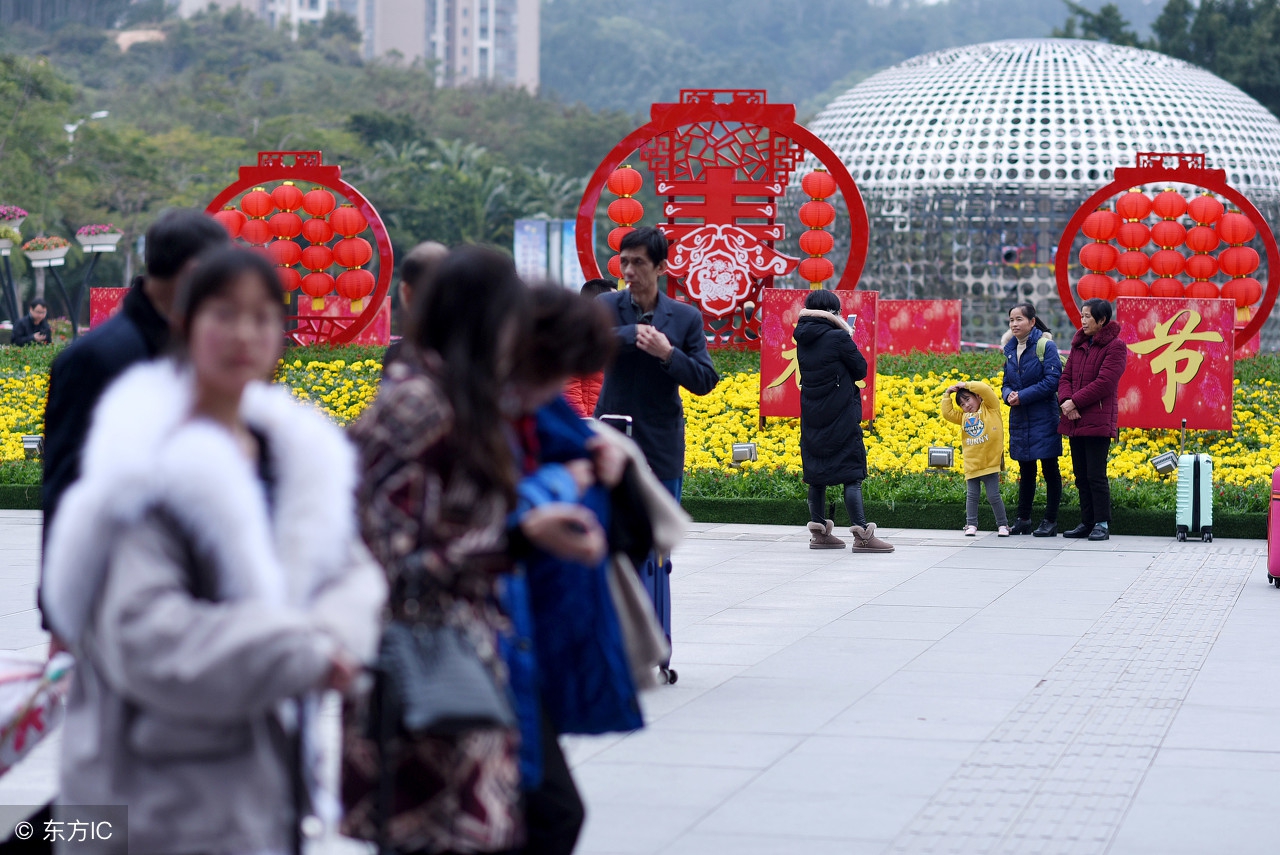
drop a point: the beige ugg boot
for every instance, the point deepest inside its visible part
(820, 536)
(865, 540)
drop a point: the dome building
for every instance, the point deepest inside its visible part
(972, 160)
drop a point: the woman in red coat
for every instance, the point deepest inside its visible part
(1089, 396)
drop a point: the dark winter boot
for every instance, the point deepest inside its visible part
(1021, 527)
(820, 536)
(865, 540)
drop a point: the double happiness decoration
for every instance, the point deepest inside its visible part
(1185, 315)
(321, 234)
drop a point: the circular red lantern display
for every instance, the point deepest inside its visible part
(1169, 205)
(1201, 266)
(1202, 238)
(285, 224)
(287, 197)
(257, 232)
(1096, 286)
(352, 252)
(347, 221)
(1133, 235)
(316, 286)
(1168, 262)
(257, 203)
(1134, 205)
(616, 236)
(318, 202)
(1200, 290)
(816, 242)
(817, 215)
(1133, 264)
(1205, 209)
(1132, 288)
(285, 253)
(625, 211)
(1235, 228)
(1238, 261)
(1168, 234)
(816, 270)
(625, 181)
(317, 230)
(818, 184)
(232, 220)
(1245, 291)
(317, 257)
(1099, 257)
(290, 279)
(1167, 288)
(615, 267)
(355, 285)
(1101, 225)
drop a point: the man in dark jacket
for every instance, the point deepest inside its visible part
(33, 328)
(661, 347)
(139, 332)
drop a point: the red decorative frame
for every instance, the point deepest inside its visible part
(1190, 169)
(307, 166)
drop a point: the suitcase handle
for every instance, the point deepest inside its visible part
(1182, 444)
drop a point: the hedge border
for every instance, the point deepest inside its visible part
(1150, 522)
(19, 497)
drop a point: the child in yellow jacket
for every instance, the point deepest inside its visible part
(977, 411)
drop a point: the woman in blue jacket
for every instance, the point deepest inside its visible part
(1032, 368)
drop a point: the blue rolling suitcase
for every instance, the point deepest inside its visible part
(1195, 494)
(655, 575)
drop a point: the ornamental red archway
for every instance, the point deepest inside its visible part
(334, 234)
(710, 146)
(1157, 168)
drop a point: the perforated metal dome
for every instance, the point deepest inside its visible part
(972, 160)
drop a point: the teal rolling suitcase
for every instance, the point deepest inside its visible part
(1195, 496)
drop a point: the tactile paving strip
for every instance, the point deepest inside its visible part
(1057, 775)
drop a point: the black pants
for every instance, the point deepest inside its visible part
(1027, 487)
(553, 813)
(1089, 460)
(852, 503)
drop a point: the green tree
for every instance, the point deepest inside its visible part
(34, 104)
(1106, 25)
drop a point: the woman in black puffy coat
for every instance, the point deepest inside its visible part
(1032, 369)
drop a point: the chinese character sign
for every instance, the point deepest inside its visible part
(779, 367)
(1181, 364)
(932, 326)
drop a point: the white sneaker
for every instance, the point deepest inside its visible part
(971, 530)
(1003, 531)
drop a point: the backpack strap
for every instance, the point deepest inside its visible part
(1041, 343)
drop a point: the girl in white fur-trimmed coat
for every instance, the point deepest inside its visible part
(207, 573)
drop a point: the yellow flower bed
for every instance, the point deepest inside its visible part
(340, 388)
(22, 395)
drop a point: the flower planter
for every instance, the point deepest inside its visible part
(5, 245)
(47, 257)
(100, 243)
(12, 223)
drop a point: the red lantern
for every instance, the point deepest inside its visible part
(1168, 234)
(615, 267)
(318, 202)
(355, 285)
(624, 181)
(1245, 291)
(1101, 225)
(285, 253)
(1201, 266)
(1096, 286)
(1132, 288)
(1238, 261)
(1133, 235)
(1134, 205)
(317, 257)
(1099, 257)
(1202, 238)
(817, 215)
(316, 286)
(257, 203)
(347, 221)
(1234, 228)
(818, 184)
(816, 242)
(352, 252)
(1202, 291)
(290, 279)
(1169, 205)
(286, 225)
(816, 270)
(257, 232)
(1168, 262)
(1167, 288)
(232, 220)
(1205, 209)
(1133, 264)
(317, 230)
(287, 197)
(616, 236)
(625, 211)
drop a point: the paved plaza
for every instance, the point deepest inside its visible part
(966, 695)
